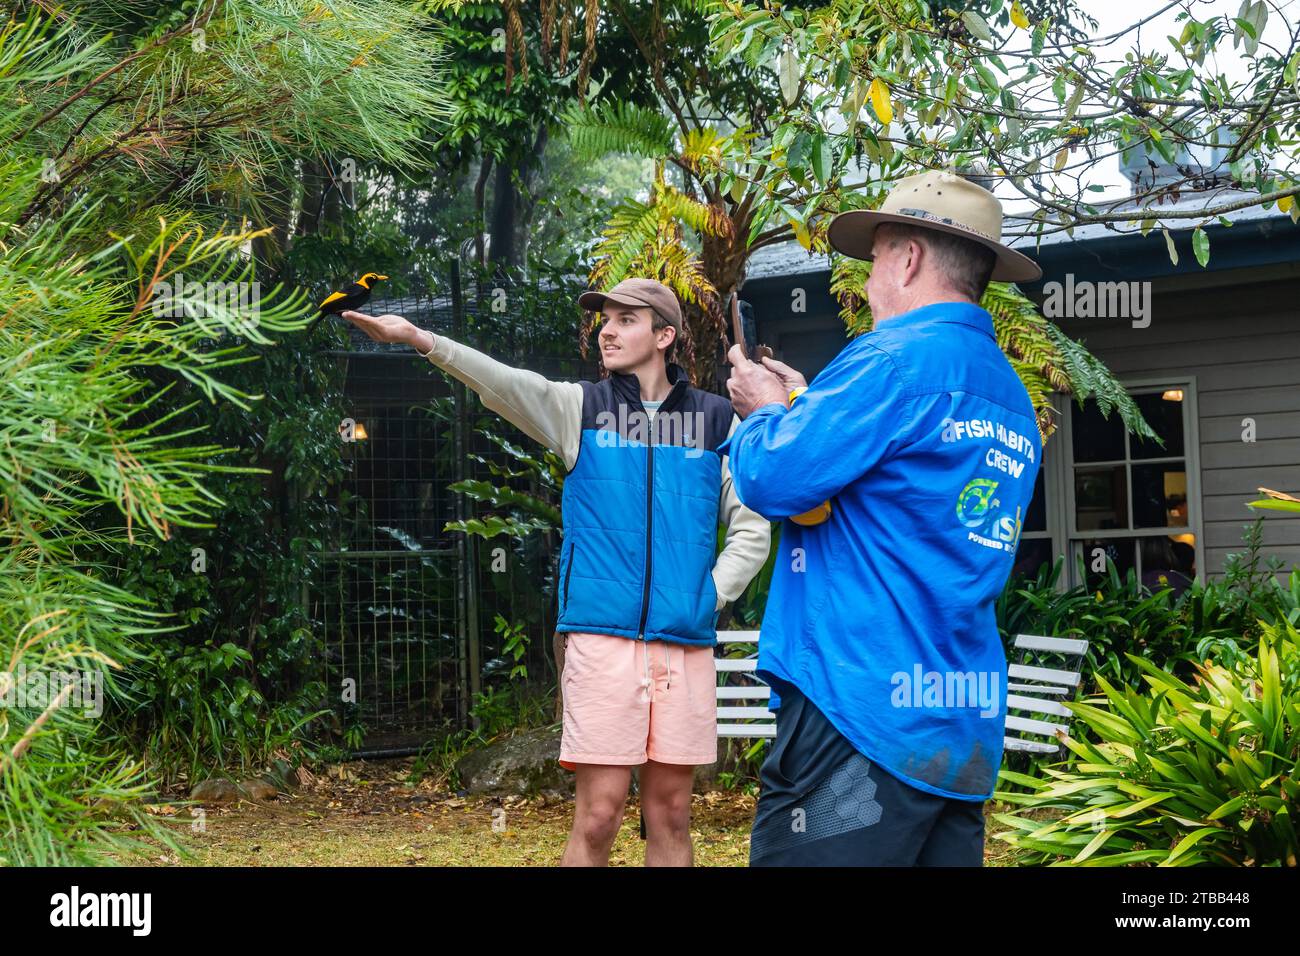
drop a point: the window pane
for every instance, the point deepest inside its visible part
(1164, 413)
(1036, 516)
(1100, 498)
(1120, 552)
(1032, 554)
(1168, 562)
(1160, 496)
(1095, 438)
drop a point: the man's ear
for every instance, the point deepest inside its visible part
(671, 338)
(916, 253)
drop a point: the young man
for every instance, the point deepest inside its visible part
(640, 587)
(881, 644)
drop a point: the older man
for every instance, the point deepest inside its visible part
(908, 465)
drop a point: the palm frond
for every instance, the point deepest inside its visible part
(704, 218)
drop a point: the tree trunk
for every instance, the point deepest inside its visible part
(480, 192)
(314, 183)
(512, 209)
(723, 259)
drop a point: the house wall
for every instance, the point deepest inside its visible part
(1235, 334)
(1240, 343)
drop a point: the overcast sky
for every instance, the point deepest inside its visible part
(1113, 16)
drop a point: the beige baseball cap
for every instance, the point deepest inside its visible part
(649, 292)
(939, 200)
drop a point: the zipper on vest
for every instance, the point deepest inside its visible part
(568, 572)
(649, 531)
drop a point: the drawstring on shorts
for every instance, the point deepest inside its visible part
(647, 683)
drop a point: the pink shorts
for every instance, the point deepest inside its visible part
(629, 701)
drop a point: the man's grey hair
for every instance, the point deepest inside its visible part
(964, 265)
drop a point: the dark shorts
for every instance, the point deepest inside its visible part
(822, 803)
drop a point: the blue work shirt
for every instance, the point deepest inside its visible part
(924, 439)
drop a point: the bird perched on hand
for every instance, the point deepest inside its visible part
(354, 296)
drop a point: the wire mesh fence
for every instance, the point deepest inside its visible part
(418, 623)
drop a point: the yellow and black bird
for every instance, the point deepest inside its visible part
(354, 296)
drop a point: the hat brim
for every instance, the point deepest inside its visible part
(852, 232)
(594, 301)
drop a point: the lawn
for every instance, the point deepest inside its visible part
(368, 813)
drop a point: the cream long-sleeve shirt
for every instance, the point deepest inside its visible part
(551, 413)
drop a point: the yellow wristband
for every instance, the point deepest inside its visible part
(797, 392)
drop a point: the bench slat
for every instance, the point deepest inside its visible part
(1039, 688)
(1050, 674)
(744, 713)
(1062, 645)
(1029, 746)
(737, 637)
(747, 730)
(752, 692)
(1037, 705)
(737, 664)
(1032, 726)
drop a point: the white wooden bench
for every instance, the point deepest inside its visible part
(734, 695)
(1031, 689)
(1038, 690)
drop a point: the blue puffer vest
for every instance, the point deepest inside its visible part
(641, 513)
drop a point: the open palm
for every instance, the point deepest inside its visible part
(383, 328)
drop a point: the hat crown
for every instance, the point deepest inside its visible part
(947, 199)
(638, 292)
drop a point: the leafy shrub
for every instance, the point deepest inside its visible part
(1123, 618)
(1179, 774)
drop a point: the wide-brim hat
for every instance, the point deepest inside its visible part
(649, 292)
(936, 200)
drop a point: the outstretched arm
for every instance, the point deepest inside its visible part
(549, 412)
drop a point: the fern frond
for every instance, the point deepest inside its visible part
(703, 218)
(632, 226)
(596, 131)
(1090, 378)
(848, 285)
